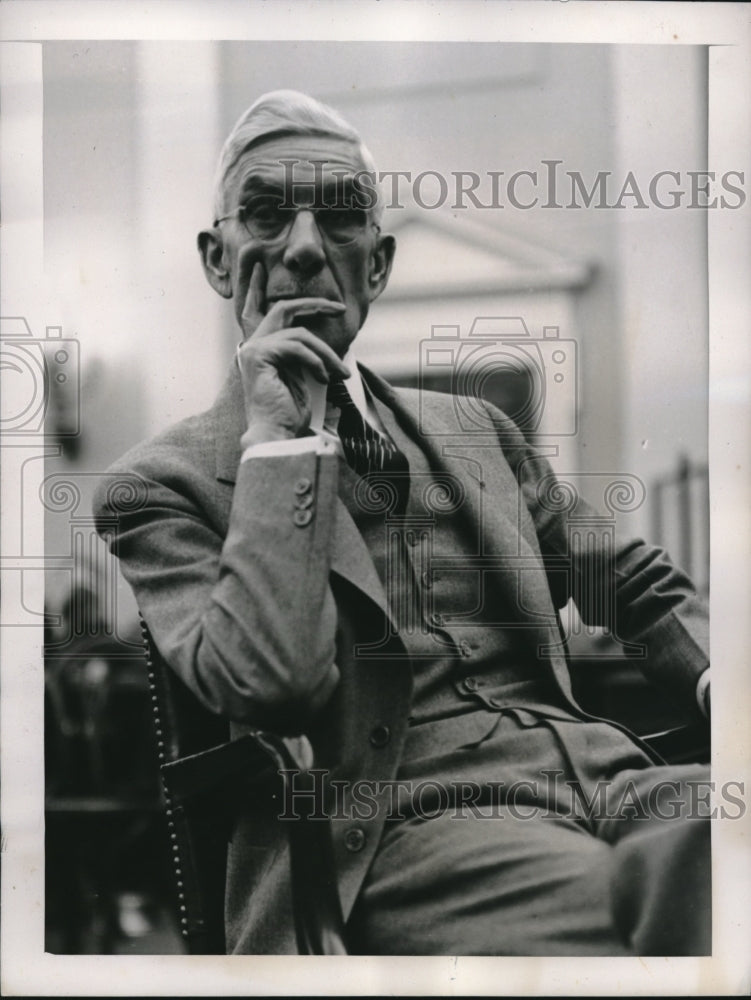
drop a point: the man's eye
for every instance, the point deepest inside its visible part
(265, 212)
(342, 217)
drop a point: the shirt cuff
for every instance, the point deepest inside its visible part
(702, 693)
(322, 443)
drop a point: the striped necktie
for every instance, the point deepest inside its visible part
(365, 449)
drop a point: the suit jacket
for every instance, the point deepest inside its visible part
(264, 613)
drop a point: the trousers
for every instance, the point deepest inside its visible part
(530, 835)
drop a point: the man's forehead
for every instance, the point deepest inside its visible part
(317, 157)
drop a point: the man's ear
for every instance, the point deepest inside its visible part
(211, 248)
(380, 264)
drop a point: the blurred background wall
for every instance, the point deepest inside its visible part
(131, 135)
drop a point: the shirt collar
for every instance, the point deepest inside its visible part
(359, 395)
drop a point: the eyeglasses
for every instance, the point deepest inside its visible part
(269, 218)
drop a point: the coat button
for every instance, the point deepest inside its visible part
(436, 619)
(380, 736)
(465, 648)
(354, 839)
(303, 501)
(427, 579)
(303, 485)
(470, 683)
(302, 517)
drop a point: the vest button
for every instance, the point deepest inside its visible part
(380, 736)
(465, 648)
(354, 839)
(427, 579)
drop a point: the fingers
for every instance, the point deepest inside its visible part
(333, 365)
(255, 301)
(272, 340)
(255, 319)
(294, 355)
(296, 343)
(285, 311)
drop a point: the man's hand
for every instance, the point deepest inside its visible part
(273, 357)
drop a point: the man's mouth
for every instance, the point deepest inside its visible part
(311, 319)
(271, 299)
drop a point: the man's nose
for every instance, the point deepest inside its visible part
(303, 253)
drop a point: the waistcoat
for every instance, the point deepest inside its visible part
(450, 617)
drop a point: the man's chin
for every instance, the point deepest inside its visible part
(328, 330)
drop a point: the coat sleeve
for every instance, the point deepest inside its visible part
(631, 588)
(246, 618)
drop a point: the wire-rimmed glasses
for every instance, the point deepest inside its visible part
(269, 218)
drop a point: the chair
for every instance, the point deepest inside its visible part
(613, 687)
(200, 768)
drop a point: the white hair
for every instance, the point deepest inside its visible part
(279, 113)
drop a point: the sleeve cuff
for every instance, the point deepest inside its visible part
(702, 693)
(318, 444)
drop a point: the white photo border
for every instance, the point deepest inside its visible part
(726, 28)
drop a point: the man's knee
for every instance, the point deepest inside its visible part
(661, 888)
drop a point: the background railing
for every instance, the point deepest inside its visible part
(680, 518)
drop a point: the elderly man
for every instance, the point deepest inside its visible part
(321, 555)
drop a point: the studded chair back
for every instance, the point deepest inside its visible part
(200, 769)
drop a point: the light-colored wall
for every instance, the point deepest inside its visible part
(662, 260)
